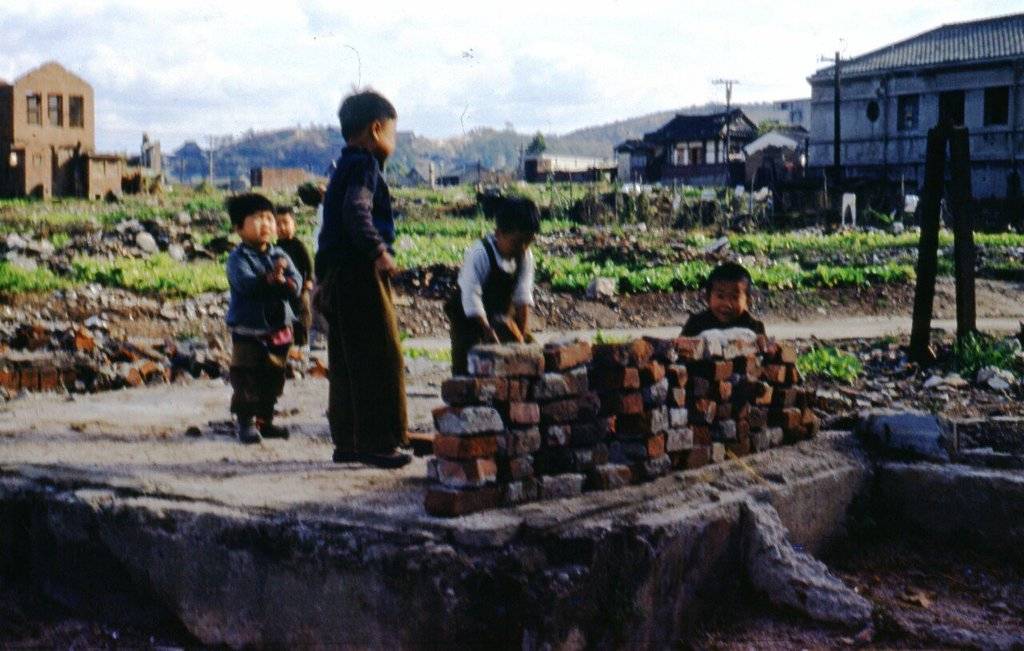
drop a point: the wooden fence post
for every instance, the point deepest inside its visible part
(928, 246)
(963, 230)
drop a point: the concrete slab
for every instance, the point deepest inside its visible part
(275, 545)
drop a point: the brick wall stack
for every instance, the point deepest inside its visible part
(533, 422)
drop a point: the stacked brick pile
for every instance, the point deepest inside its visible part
(533, 422)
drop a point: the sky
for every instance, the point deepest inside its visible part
(185, 70)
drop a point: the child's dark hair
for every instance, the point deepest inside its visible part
(284, 210)
(729, 272)
(360, 110)
(516, 215)
(241, 206)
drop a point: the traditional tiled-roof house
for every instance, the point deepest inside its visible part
(967, 73)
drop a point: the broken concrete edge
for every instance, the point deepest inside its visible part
(612, 574)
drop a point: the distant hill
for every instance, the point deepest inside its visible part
(313, 148)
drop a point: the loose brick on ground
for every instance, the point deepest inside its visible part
(446, 502)
(653, 468)
(717, 453)
(786, 352)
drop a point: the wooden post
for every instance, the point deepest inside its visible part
(928, 246)
(963, 230)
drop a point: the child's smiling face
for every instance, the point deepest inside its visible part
(285, 226)
(728, 300)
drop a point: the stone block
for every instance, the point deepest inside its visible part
(678, 417)
(467, 421)
(465, 447)
(554, 386)
(906, 433)
(506, 360)
(678, 439)
(608, 476)
(448, 503)
(758, 418)
(516, 442)
(561, 486)
(655, 395)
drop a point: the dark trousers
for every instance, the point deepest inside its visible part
(366, 404)
(302, 326)
(257, 378)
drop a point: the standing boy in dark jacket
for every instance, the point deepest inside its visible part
(354, 264)
(263, 283)
(303, 262)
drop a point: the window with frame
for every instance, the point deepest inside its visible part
(907, 112)
(55, 110)
(997, 105)
(34, 112)
(76, 111)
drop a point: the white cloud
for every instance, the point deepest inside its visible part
(183, 69)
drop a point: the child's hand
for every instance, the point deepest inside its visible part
(308, 286)
(385, 265)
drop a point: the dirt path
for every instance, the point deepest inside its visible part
(867, 327)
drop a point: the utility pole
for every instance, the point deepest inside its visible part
(212, 141)
(728, 83)
(837, 169)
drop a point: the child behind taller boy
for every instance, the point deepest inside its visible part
(495, 290)
(263, 283)
(303, 262)
(727, 291)
(366, 404)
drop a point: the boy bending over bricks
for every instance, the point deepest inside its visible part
(492, 304)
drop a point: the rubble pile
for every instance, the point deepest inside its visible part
(533, 422)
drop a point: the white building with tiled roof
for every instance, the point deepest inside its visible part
(969, 73)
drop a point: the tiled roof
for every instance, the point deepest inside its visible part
(696, 127)
(980, 40)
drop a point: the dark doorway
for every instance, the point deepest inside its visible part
(951, 108)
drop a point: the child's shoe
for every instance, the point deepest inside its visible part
(248, 434)
(272, 431)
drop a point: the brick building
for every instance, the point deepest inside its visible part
(281, 179)
(48, 138)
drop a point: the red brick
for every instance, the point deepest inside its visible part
(463, 473)
(82, 340)
(787, 419)
(764, 394)
(664, 350)
(651, 372)
(622, 403)
(742, 428)
(703, 411)
(465, 447)
(701, 435)
(677, 397)
(560, 411)
(786, 352)
(29, 378)
(699, 456)
(563, 356)
(524, 413)
(690, 348)
(722, 391)
(614, 378)
(758, 418)
(644, 424)
(634, 353)
(49, 379)
(699, 388)
(589, 406)
(740, 411)
(738, 448)
(444, 502)
(793, 374)
(519, 389)
(774, 373)
(677, 375)
(466, 390)
(515, 468)
(784, 397)
(10, 379)
(725, 411)
(711, 370)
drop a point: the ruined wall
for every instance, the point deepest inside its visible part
(282, 179)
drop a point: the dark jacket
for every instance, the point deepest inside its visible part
(698, 323)
(358, 224)
(297, 251)
(256, 307)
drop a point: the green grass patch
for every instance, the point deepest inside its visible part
(433, 354)
(976, 351)
(18, 281)
(158, 275)
(829, 363)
